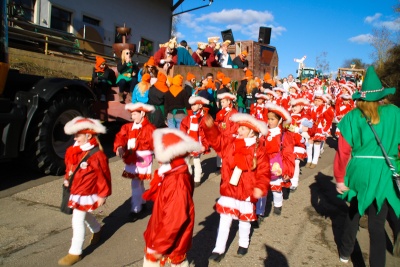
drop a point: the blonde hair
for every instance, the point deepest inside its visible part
(123, 55)
(251, 84)
(98, 141)
(143, 87)
(370, 109)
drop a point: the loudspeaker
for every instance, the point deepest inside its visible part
(264, 35)
(227, 35)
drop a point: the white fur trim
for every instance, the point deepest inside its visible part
(139, 106)
(297, 101)
(324, 98)
(263, 96)
(278, 89)
(262, 126)
(227, 95)
(286, 116)
(347, 87)
(193, 99)
(269, 91)
(80, 123)
(345, 96)
(166, 154)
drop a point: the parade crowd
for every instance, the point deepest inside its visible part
(261, 131)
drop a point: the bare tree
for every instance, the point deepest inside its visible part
(381, 41)
(321, 62)
(174, 25)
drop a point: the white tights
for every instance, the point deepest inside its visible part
(296, 174)
(317, 151)
(137, 192)
(79, 218)
(225, 222)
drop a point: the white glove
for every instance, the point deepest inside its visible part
(162, 61)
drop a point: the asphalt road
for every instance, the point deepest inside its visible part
(34, 233)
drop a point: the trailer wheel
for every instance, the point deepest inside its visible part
(51, 142)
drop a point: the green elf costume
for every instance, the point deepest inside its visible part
(363, 177)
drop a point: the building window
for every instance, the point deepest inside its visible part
(90, 20)
(22, 9)
(146, 47)
(60, 19)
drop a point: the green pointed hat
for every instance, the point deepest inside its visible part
(372, 89)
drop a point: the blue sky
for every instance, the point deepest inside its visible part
(340, 28)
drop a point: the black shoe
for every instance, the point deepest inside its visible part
(285, 193)
(144, 207)
(260, 219)
(277, 210)
(242, 251)
(216, 257)
(197, 184)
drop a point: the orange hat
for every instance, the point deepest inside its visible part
(170, 79)
(172, 143)
(249, 121)
(146, 78)
(151, 61)
(84, 125)
(226, 80)
(248, 74)
(190, 76)
(161, 82)
(177, 80)
(99, 61)
(131, 107)
(267, 77)
(244, 53)
(220, 75)
(258, 80)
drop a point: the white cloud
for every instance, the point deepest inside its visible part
(234, 15)
(375, 17)
(391, 25)
(179, 35)
(361, 39)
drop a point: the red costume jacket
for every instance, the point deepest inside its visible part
(249, 179)
(322, 118)
(209, 54)
(273, 145)
(160, 54)
(170, 228)
(185, 127)
(259, 112)
(93, 177)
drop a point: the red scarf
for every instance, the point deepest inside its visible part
(242, 150)
(129, 156)
(156, 182)
(194, 125)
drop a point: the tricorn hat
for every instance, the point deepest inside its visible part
(249, 121)
(84, 125)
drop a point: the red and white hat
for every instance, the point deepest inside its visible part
(244, 119)
(198, 100)
(131, 107)
(84, 125)
(172, 143)
(294, 85)
(345, 96)
(280, 111)
(323, 97)
(300, 101)
(348, 89)
(269, 91)
(280, 89)
(263, 96)
(229, 96)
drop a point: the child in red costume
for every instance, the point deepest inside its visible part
(226, 127)
(342, 108)
(258, 110)
(245, 176)
(91, 183)
(134, 144)
(168, 235)
(191, 126)
(279, 145)
(322, 117)
(299, 127)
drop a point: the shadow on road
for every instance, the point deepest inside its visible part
(275, 258)
(326, 203)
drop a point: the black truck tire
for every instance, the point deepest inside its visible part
(50, 142)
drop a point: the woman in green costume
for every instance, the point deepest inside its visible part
(362, 175)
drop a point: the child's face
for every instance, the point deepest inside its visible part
(244, 132)
(82, 138)
(297, 108)
(136, 116)
(346, 101)
(225, 103)
(273, 120)
(318, 102)
(196, 107)
(292, 90)
(260, 101)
